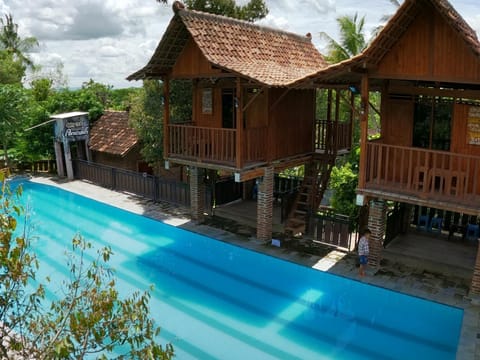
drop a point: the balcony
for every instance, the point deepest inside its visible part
(423, 177)
(217, 145)
(333, 135)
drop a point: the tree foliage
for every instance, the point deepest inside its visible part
(146, 117)
(11, 70)
(13, 106)
(344, 182)
(252, 11)
(89, 319)
(352, 39)
(13, 43)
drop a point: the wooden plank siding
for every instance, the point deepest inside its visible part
(192, 63)
(430, 49)
(291, 123)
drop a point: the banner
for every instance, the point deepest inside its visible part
(473, 125)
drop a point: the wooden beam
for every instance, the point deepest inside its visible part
(454, 93)
(253, 98)
(249, 174)
(166, 117)
(239, 133)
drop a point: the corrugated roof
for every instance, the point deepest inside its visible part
(112, 134)
(392, 32)
(268, 56)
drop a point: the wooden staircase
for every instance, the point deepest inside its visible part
(310, 195)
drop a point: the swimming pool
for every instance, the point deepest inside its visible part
(214, 300)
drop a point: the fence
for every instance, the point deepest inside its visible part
(142, 184)
(334, 230)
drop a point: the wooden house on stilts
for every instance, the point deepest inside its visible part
(252, 116)
(425, 64)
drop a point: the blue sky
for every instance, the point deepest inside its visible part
(106, 40)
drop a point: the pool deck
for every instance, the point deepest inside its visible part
(447, 287)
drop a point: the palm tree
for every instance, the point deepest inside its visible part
(352, 39)
(385, 18)
(13, 43)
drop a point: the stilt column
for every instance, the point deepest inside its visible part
(475, 286)
(265, 206)
(59, 158)
(197, 193)
(377, 223)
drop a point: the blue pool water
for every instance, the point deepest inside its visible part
(214, 300)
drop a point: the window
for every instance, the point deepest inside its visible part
(432, 122)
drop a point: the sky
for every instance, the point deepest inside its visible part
(107, 40)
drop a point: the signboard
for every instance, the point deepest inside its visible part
(207, 101)
(473, 125)
(76, 127)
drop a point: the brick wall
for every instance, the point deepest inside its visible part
(197, 193)
(475, 287)
(265, 205)
(377, 222)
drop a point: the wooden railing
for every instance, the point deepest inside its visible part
(216, 144)
(333, 135)
(219, 145)
(424, 173)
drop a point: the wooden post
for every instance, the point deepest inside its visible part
(352, 120)
(166, 117)
(194, 101)
(239, 135)
(363, 131)
(59, 158)
(68, 159)
(337, 119)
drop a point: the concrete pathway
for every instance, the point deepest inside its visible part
(446, 289)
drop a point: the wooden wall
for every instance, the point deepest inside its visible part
(431, 49)
(459, 143)
(192, 63)
(129, 162)
(397, 121)
(291, 123)
(204, 119)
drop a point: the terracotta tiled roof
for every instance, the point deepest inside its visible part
(112, 134)
(267, 56)
(393, 31)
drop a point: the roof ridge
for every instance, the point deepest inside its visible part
(183, 11)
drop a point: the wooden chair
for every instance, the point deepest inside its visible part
(473, 232)
(423, 222)
(435, 225)
(420, 178)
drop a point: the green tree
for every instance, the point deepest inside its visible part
(13, 43)
(344, 176)
(352, 39)
(146, 117)
(11, 70)
(251, 11)
(89, 320)
(13, 106)
(385, 18)
(343, 183)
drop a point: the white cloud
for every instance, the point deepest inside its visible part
(107, 40)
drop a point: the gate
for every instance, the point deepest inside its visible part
(338, 231)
